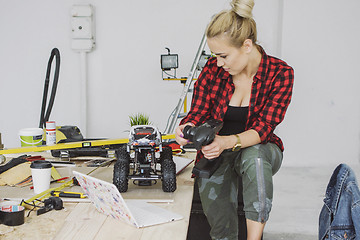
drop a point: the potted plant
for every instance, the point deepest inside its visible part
(139, 119)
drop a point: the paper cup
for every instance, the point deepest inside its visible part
(41, 175)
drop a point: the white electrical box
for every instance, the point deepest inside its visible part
(82, 28)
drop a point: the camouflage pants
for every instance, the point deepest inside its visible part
(255, 166)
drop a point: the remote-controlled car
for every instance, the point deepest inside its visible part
(144, 160)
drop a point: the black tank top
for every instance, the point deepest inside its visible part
(234, 120)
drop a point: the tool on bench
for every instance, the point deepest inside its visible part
(58, 180)
(69, 134)
(13, 162)
(50, 204)
(67, 194)
(108, 151)
(62, 163)
(201, 136)
(34, 158)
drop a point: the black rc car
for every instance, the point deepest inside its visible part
(144, 160)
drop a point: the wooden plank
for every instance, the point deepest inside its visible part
(115, 229)
(83, 223)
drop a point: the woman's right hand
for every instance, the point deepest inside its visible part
(179, 135)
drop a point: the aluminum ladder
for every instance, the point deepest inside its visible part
(175, 115)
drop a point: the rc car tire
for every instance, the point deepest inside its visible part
(121, 170)
(168, 175)
(166, 154)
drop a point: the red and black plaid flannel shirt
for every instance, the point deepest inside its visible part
(270, 96)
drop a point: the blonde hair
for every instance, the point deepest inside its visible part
(237, 23)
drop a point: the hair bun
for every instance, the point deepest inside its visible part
(243, 8)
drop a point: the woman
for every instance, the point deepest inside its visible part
(249, 91)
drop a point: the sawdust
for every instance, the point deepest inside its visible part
(4, 230)
(44, 226)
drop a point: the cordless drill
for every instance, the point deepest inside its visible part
(201, 136)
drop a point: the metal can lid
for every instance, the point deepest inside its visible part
(50, 125)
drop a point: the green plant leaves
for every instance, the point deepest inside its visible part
(139, 119)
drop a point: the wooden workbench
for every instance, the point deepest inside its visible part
(81, 220)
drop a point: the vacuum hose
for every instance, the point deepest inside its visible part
(44, 117)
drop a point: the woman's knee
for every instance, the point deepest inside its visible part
(269, 153)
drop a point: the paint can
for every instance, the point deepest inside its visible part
(31, 137)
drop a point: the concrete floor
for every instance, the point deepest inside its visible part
(298, 199)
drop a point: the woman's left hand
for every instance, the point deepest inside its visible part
(214, 149)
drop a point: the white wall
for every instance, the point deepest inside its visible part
(317, 38)
(321, 40)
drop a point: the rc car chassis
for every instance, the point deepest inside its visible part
(144, 160)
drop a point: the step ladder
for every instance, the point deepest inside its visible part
(175, 115)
